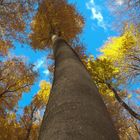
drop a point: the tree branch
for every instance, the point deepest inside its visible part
(131, 111)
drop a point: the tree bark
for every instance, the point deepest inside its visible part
(75, 110)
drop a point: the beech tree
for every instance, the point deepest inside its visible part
(75, 109)
(15, 78)
(15, 126)
(31, 119)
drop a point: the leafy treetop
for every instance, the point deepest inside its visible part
(55, 17)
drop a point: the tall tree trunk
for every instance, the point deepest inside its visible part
(75, 110)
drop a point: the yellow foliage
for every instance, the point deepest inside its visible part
(129, 96)
(116, 48)
(123, 52)
(42, 97)
(10, 128)
(102, 70)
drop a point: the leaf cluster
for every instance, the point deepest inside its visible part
(55, 17)
(15, 79)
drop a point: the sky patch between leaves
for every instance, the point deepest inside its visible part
(96, 13)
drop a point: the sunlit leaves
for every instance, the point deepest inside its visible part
(42, 97)
(102, 71)
(119, 60)
(55, 17)
(116, 48)
(124, 52)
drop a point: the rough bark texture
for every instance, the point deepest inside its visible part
(75, 110)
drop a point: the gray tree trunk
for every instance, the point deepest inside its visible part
(75, 110)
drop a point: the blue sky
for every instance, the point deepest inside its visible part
(96, 31)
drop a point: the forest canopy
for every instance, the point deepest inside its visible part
(28, 61)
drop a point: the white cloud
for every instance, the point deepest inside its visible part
(42, 65)
(46, 72)
(96, 13)
(39, 63)
(119, 2)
